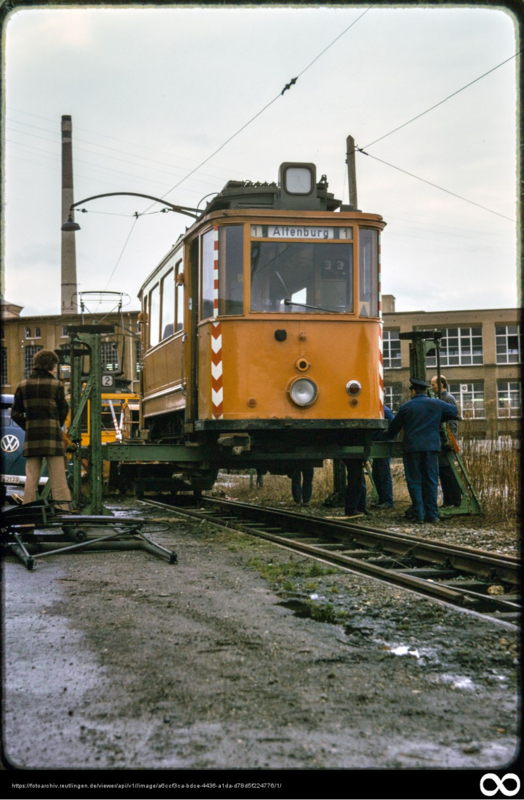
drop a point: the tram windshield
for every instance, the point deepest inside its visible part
(302, 277)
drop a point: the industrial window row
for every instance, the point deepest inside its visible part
(470, 397)
(461, 347)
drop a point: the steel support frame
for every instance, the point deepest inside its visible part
(86, 340)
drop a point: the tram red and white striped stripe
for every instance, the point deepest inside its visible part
(217, 388)
(380, 337)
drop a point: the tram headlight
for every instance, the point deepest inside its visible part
(353, 388)
(303, 391)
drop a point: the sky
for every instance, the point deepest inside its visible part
(156, 91)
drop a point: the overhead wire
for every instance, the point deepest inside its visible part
(102, 155)
(442, 101)
(360, 150)
(93, 166)
(122, 252)
(441, 188)
(287, 87)
(293, 81)
(106, 136)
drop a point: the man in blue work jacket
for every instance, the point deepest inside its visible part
(421, 418)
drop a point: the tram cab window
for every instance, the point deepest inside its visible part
(368, 273)
(154, 316)
(231, 270)
(208, 266)
(168, 304)
(316, 275)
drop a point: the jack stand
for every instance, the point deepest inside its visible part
(30, 545)
(368, 470)
(470, 503)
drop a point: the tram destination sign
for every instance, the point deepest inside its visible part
(313, 232)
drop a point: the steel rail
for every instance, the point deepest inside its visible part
(479, 562)
(273, 525)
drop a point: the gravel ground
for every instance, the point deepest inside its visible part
(243, 656)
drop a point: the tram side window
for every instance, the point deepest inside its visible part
(179, 299)
(208, 266)
(168, 304)
(231, 271)
(368, 273)
(311, 277)
(154, 316)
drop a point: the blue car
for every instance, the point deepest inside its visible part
(11, 447)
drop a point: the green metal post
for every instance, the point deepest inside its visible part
(95, 424)
(76, 392)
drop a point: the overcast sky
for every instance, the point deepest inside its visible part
(153, 92)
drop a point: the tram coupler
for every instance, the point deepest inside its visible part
(239, 442)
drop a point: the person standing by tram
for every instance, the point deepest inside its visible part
(421, 418)
(302, 484)
(451, 494)
(356, 495)
(381, 469)
(40, 409)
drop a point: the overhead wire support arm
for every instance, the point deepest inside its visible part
(70, 225)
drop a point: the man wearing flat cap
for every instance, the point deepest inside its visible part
(421, 418)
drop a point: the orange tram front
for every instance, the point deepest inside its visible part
(261, 328)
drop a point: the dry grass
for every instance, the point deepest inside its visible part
(494, 468)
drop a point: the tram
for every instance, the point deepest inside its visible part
(261, 328)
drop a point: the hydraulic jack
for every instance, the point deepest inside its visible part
(21, 533)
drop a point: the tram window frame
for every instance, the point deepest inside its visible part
(167, 304)
(231, 270)
(319, 277)
(207, 278)
(368, 273)
(151, 315)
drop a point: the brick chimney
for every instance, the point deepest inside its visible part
(69, 286)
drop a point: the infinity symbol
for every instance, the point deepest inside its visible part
(500, 784)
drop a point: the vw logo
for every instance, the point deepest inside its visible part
(500, 784)
(10, 443)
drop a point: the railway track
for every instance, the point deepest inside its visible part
(470, 579)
